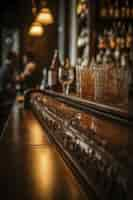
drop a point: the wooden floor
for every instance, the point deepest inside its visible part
(30, 166)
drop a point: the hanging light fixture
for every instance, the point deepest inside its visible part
(44, 16)
(36, 29)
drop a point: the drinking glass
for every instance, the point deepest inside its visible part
(66, 77)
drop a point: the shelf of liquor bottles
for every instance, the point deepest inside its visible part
(114, 41)
(111, 71)
(104, 48)
(114, 26)
(122, 9)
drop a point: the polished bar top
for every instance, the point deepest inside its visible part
(113, 132)
(30, 166)
(121, 109)
(113, 135)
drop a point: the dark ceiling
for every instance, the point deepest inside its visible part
(8, 5)
(15, 11)
(19, 4)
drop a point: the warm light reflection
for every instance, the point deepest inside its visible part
(104, 129)
(43, 171)
(93, 124)
(16, 124)
(36, 29)
(50, 176)
(35, 130)
(45, 17)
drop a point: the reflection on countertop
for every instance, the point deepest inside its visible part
(109, 130)
(31, 167)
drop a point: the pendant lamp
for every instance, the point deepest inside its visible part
(45, 16)
(36, 29)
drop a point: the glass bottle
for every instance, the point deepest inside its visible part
(99, 81)
(87, 80)
(117, 54)
(127, 9)
(44, 79)
(99, 57)
(53, 71)
(117, 28)
(101, 42)
(110, 8)
(110, 87)
(129, 37)
(124, 77)
(112, 40)
(84, 9)
(123, 9)
(116, 9)
(123, 39)
(103, 11)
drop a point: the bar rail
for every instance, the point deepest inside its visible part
(98, 109)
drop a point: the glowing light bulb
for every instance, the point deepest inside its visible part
(45, 17)
(36, 29)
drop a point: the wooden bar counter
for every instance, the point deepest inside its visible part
(30, 166)
(93, 140)
(57, 148)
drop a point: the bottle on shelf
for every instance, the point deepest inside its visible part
(101, 42)
(103, 11)
(82, 10)
(110, 9)
(43, 84)
(112, 40)
(123, 9)
(117, 54)
(87, 79)
(123, 39)
(125, 76)
(83, 37)
(127, 9)
(115, 48)
(117, 27)
(99, 57)
(129, 37)
(82, 6)
(53, 71)
(116, 9)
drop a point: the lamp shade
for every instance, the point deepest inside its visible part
(45, 17)
(36, 29)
